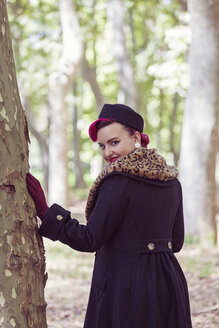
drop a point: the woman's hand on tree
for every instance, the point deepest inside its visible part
(37, 193)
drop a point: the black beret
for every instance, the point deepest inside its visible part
(118, 113)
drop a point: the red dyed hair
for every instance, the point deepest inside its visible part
(105, 122)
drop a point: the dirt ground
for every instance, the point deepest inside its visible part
(69, 277)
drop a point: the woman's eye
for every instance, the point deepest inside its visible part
(114, 143)
(102, 146)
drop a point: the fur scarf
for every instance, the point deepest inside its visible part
(143, 163)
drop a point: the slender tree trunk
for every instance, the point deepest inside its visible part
(200, 125)
(89, 74)
(158, 132)
(42, 140)
(22, 263)
(172, 134)
(61, 82)
(127, 90)
(76, 143)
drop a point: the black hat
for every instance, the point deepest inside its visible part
(118, 113)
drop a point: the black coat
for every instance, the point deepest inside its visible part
(135, 227)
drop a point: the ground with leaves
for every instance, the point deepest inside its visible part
(69, 277)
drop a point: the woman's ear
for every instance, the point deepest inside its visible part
(137, 136)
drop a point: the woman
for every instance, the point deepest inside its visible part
(135, 225)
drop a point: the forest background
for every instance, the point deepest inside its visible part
(74, 56)
(161, 58)
(132, 52)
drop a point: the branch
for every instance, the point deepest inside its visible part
(89, 74)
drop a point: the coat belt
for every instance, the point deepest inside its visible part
(155, 246)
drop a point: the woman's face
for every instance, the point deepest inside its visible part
(115, 141)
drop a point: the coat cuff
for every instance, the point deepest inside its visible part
(54, 220)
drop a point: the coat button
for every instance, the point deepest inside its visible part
(151, 246)
(59, 217)
(169, 245)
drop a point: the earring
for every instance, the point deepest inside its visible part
(137, 145)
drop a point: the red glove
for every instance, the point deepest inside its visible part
(37, 193)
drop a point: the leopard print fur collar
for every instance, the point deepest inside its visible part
(143, 163)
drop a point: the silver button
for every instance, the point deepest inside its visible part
(151, 246)
(170, 245)
(59, 217)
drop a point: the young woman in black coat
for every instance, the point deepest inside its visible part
(134, 224)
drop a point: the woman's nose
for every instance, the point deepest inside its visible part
(107, 152)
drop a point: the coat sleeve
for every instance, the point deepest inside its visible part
(178, 227)
(104, 220)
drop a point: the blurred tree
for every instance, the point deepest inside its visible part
(30, 32)
(158, 45)
(200, 124)
(90, 75)
(61, 81)
(127, 90)
(22, 263)
(42, 139)
(79, 179)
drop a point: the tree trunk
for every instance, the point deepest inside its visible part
(173, 148)
(89, 74)
(22, 263)
(79, 183)
(200, 125)
(127, 90)
(42, 140)
(159, 129)
(61, 82)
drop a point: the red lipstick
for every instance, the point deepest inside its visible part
(113, 159)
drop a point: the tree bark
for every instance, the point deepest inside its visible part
(61, 82)
(200, 124)
(22, 263)
(127, 90)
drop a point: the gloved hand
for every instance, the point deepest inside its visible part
(37, 193)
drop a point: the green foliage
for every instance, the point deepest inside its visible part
(36, 34)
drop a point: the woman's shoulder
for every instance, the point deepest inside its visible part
(117, 180)
(122, 178)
